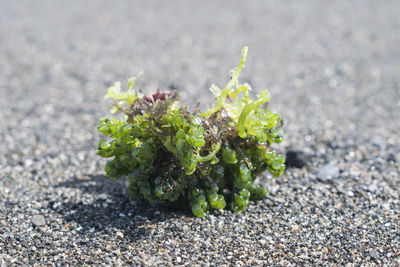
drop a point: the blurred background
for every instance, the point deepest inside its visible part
(319, 59)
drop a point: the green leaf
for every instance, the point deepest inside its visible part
(229, 155)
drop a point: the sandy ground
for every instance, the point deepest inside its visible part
(333, 69)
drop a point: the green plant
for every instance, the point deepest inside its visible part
(202, 159)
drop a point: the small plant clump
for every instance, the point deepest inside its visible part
(202, 160)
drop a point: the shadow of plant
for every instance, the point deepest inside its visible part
(105, 206)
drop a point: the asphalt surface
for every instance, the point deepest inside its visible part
(333, 70)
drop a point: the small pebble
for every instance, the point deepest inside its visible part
(374, 254)
(120, 235)
(38, 220)
(327, 172)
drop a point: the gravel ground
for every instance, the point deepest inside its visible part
(332, 69)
